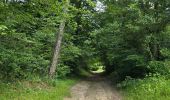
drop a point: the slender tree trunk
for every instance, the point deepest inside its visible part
(54, 62)
(57, 50)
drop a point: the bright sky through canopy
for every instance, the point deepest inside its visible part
(100, 6)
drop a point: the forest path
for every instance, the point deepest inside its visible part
(94, 88)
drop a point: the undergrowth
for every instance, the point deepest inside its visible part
(149, 88)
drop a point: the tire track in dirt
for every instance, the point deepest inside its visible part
(95, 88)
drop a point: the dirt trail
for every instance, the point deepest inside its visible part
(95, 88)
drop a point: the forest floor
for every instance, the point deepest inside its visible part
(94, 88)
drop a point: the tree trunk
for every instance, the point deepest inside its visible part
(56, 52)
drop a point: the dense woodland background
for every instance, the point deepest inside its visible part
(130, 38)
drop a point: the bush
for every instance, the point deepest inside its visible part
(20, 65)
(159, 67)
(133, 66)
(63, 70)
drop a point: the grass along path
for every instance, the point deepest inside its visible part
(150, 88)
(36, 90)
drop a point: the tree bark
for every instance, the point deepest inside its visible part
(56, 53)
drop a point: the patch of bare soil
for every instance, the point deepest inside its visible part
(94, 88)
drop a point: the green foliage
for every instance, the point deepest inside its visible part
(129, 38)
(27, 36)
(150, 88)
(158, 67)
(20, 65)
(132, 36)
(165, 52)
(62, 70)
(2, 29)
